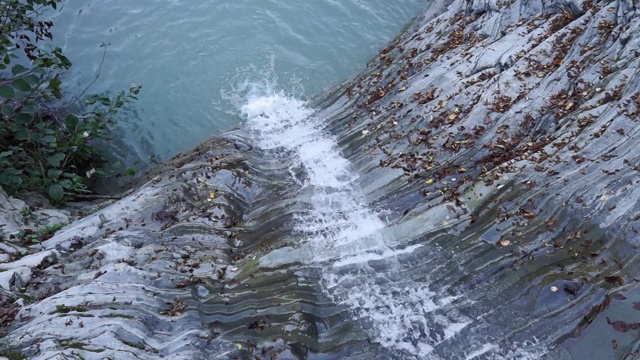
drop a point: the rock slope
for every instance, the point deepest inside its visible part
(500, 138)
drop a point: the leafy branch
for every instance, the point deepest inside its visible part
(43, 146)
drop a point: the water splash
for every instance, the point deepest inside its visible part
(339, 232)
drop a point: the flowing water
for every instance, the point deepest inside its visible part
(320, 252)
(190, 57)
(368, 266)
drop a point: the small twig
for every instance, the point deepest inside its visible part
(104, 54)
(93, 196)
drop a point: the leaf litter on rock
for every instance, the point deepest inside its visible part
(619, 325)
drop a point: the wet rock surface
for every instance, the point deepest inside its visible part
(499, 139)
(517, 124)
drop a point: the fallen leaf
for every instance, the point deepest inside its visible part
(614, 279)
(551, 222)
(619, 325)
(619, 297)
(636, 305)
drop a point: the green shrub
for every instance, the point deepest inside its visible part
(44, 146)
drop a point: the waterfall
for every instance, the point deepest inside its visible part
(340, 233)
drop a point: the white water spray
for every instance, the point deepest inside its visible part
(340, 232)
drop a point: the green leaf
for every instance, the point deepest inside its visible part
(6, 92)
(135, 88)
(55, 159)
(6, 179)
(23, 119)
(54, 83)
(56, 192)
(21, 134)
(18, 69)
(7, 110)
(5, 154)
(130, 172)
(32, 79)
(54, 173)
(38, 70)
(64, 61)
(13, 171)
(49, 139)
(30, 107)
(66, 183)
(21, 84)
(71, 121)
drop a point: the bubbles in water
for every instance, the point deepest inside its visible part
(253, 82)
(338, 229)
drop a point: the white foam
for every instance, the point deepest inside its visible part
(483, 350)
(368, 256)
(341, 230)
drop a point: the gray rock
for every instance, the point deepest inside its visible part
(9, 248)
(42, 218)
(41, 259)
(498, 140)
(15, 278)
(11, 219)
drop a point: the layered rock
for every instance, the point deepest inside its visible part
(517, 122)
(499, 139)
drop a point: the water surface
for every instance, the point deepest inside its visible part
(194, 59)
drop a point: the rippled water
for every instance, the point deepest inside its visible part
(193, 58)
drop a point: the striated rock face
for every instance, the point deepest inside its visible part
(518, 123)
(482, 203)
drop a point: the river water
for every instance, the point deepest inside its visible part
(195, 59)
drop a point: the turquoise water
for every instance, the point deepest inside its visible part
(194, 59)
